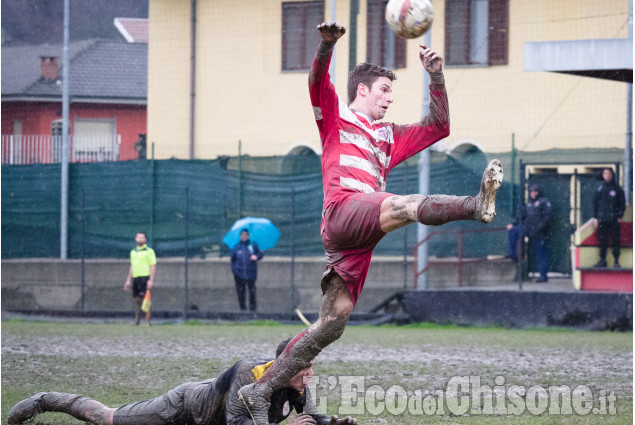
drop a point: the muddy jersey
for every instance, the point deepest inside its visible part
(357, 153)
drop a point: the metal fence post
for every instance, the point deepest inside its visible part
(293, 300)
(187, 236)
(405, 233)
(522, 262)
(83, 220)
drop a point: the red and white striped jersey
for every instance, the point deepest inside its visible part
(357, 154)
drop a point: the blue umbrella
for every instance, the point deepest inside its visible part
(261, 231)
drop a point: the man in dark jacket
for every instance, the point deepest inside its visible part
(608, 208)
(244, 264)
(209, 402)
(534, 222)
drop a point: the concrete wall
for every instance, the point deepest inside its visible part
(56, 284)
(589, 310)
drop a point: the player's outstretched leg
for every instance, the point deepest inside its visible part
(335, 310)
(78, 406)
(435, 210)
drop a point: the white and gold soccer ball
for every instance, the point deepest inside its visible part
(409, 18)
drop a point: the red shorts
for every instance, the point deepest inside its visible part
(350, 231)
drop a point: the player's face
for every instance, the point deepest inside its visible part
(607, 175)
(244, 236)
(379, 98)
(302, 379)
(140, 239)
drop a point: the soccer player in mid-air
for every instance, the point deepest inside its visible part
(358, 152)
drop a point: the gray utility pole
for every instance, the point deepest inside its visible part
(424, 179)
(333, 19)
(65, 139)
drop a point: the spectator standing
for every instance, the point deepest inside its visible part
(608, 208)
(244, 265)
(143, 266)
(534, 223)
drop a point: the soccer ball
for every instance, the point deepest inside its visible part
(409, 18)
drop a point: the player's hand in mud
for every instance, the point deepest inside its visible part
(302, 419)
(432, 62)
(331, 31)
(343, 421)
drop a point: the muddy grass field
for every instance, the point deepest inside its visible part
(394, 375)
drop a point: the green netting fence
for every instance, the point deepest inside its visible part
(110, 202)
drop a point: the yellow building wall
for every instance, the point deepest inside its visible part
(168, 78)
(242, 93)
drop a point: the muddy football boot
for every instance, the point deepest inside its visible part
(256, 404)
(486, 198)
(26, 410)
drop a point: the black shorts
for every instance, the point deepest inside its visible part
(140, 286)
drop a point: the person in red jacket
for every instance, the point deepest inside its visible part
(358, 153)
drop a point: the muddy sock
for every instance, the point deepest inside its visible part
(435, 210)
(80, 407)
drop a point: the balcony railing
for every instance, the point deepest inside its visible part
(46, 149)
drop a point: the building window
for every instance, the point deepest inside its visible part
(300, 39)
(94, 141)
(383, 47)
(476, 32)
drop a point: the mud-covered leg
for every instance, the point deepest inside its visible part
(435, 210)
(334, 313)
(76, 405)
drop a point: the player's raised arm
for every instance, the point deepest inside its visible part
(324, 100)
(330, 33)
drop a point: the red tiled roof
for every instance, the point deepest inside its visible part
(134, 30)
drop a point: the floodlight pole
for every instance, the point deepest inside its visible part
(424, 181)
(65, 140)
(333, 19)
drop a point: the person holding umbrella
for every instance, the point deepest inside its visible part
(244, 265)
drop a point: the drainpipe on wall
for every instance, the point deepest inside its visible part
(192, 73)
(628, 150)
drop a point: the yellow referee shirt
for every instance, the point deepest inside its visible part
(141, 258)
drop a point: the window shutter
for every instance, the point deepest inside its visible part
(314, 17)
(374, 26)
(498, 32)
(457, 32)
(292, 34)
(300, 39)
(400, 51)
(378, 31)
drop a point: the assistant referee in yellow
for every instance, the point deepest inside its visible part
(143, 266)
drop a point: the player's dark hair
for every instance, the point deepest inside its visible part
(143, 233)
(282, 346)
(245, 230)
(366, 74)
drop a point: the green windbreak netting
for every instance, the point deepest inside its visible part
(172, 199)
